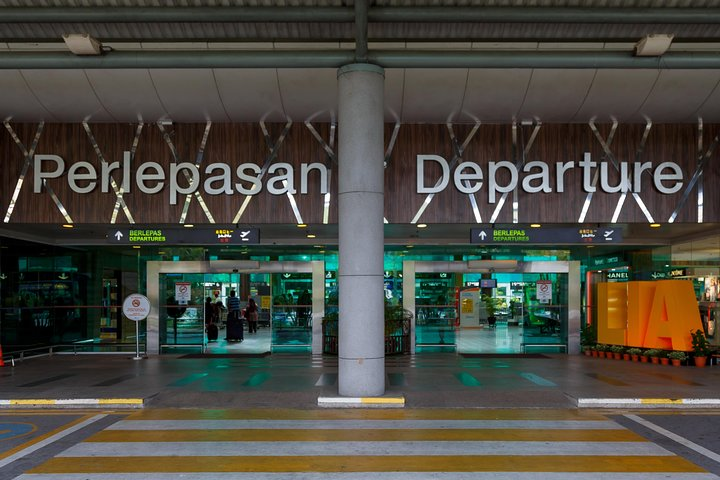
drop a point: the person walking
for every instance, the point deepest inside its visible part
(251, 312)
(234, 323)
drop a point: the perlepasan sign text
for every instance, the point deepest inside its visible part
(185, 178)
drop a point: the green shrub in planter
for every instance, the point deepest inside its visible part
(677, 355)
(635, 351)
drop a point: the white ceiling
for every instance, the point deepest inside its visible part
(411, 95)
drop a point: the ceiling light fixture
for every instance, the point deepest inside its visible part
(654, 225)
(82, 44)
(422, 225)
(653, 45)
(535, 225)
(68, 225)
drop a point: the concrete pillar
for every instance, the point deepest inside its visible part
(361, 347)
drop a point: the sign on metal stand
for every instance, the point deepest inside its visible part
(136, 307)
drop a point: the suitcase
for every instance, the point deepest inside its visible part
(234, 331)
(212, 332)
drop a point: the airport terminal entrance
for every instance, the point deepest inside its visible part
(188, 297)
(493, 306)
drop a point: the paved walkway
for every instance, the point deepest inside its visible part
(297, 381)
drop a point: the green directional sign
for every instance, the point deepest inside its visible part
(194, 236)
(545, 235)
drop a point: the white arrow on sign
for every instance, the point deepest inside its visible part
(483, 235)
(118, 235)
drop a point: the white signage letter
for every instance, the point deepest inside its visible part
(675, 176)
(141, 177)
(193, 181)
(493, 186)
(254, 179)
(223, 178)
(40, 175)
(442, 184)
(74, 176)
(459, 177)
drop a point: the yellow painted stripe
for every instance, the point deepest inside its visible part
(658, 401)
(345, 414)
(379, 400)
(37, 401)
(366, 435)
(347, 463)
(121, 401)
(42, 437)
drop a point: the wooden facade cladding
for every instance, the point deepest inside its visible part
(234, 144)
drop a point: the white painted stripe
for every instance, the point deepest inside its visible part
(14, 402)
(51, 439)
(375, 476)
(648, 402)
(375, 448)
(362, 424)
(675, 437)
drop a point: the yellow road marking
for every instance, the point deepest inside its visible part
(345, 414)
(657, 401)
(366, 435)
(120, 401)
(347, 463)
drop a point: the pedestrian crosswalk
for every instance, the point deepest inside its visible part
(452, 444)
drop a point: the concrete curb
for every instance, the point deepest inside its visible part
(72, 403)
(678, 403)
(361, 402)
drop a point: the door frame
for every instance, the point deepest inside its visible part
(571, 268)
(152, 281)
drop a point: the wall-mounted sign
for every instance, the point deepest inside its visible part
(543, 291)
(560, 235)
(183, 293)
(172, 235)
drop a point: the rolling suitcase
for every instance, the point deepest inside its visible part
(212, 332)
(234, 332)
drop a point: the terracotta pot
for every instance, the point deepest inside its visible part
(587, 353)
(676, 362)
(664, 361)
(617, 356)
(601, 354)
(626, 357)
(594, 353)
(643, 358)
(700, 361)
(655, 360)
(635, 358)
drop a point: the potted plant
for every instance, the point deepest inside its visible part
(677, 357)
(654, 355)
(663, 356)
(634, 353)
(491, 306)
(602, 349)
(617, 351)
(701, 347)
(644, 357)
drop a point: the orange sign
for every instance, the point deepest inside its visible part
(658, 314)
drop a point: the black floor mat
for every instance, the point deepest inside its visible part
(504, 355)
(226, 355)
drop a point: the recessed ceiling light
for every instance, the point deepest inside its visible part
(301, 225)
(136, 246)
(535, 225)
(68, 225)
(188, 225)
(310, 235)
(422, 225)
(654, 225)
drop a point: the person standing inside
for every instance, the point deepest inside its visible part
(251, 312)
(234, 324)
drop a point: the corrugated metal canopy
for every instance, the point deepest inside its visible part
(458, 94)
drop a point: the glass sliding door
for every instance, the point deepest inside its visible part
(291, 312)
